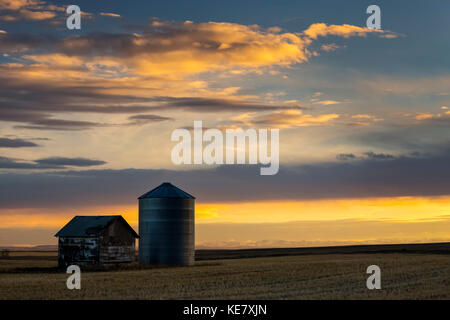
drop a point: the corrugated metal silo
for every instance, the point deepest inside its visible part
(167, 226)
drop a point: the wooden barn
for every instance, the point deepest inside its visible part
(100, 240)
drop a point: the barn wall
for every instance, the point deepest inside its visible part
(80, 251)
(117, 244)
(116, 254)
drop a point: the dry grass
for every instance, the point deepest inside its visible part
(33, 254)
(337, 276)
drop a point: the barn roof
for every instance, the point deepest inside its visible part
(88, 226)
(166, 190)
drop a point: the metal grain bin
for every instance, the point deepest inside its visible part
(167, 226)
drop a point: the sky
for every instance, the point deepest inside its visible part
(86, 117)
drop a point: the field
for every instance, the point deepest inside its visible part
(26, 275)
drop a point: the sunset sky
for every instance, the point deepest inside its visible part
(86, 117)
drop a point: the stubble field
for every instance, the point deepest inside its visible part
(319, 276)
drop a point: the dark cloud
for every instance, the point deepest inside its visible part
(73, 162)
(10, 163)
(27, 93)
(345, 156)
(48, 163)
(401, 176)
(35, 107)
(40, 139)
(372, 156)
(221, 105)
(378, 156)
(18, 43)
(58, 124)
(16, 143)
(146, 118)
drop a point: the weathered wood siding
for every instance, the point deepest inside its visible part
(117, 244)
(80, 251)
(116, 254)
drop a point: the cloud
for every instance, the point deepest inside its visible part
(322, 30)
(37, 104)
(16, 143)
(366, 177)
(147, 118)
(9, 163)
(389, 36)
(35, 107)
(200, 104)
(363, 120)
(71, 125)
(424, 116)
(13, 10)
(379, 156)
(363, 116)
(48, 163)
(284, 119)
(146, 69)
(161, 49)
(345, 156)
(44, 123)
(189, 48)
(367, 156)
(327, 102)
(434, 118)
(111, 15)
(330, 47)
(72, 162)
(184, 48)
(15, 5)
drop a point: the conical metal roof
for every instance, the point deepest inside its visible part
(166, 190)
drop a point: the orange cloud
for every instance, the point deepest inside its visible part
(327, 102)
(284, 119)
(186, 48)
(112, 15)
(199, 47)
(389, 36)
(14, 5)
(366, 117)
(424, 116)
(28, 10)
(322, 30)
(435, 116)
